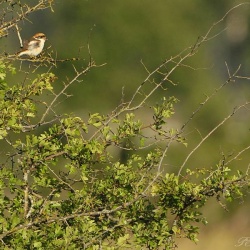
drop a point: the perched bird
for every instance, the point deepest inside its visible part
(34, 46)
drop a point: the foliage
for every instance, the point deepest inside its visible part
(64, 186)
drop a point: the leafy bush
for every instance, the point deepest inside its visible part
(63, 184)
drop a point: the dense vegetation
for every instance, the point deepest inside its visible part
(103, 181)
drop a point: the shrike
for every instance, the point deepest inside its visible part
(34, 46)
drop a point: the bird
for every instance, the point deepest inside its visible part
(34, 46)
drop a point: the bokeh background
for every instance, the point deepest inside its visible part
(121, 35)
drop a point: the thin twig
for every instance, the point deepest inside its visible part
(19, 36)
(210, 133)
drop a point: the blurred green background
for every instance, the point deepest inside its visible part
(121, 34)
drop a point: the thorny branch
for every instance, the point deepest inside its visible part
(230, 79)
(211, 132)
(66, 86)
(25, 11)
(178, 61)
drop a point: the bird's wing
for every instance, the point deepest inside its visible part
(33, 44)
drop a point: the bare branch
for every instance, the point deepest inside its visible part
(210, 133)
